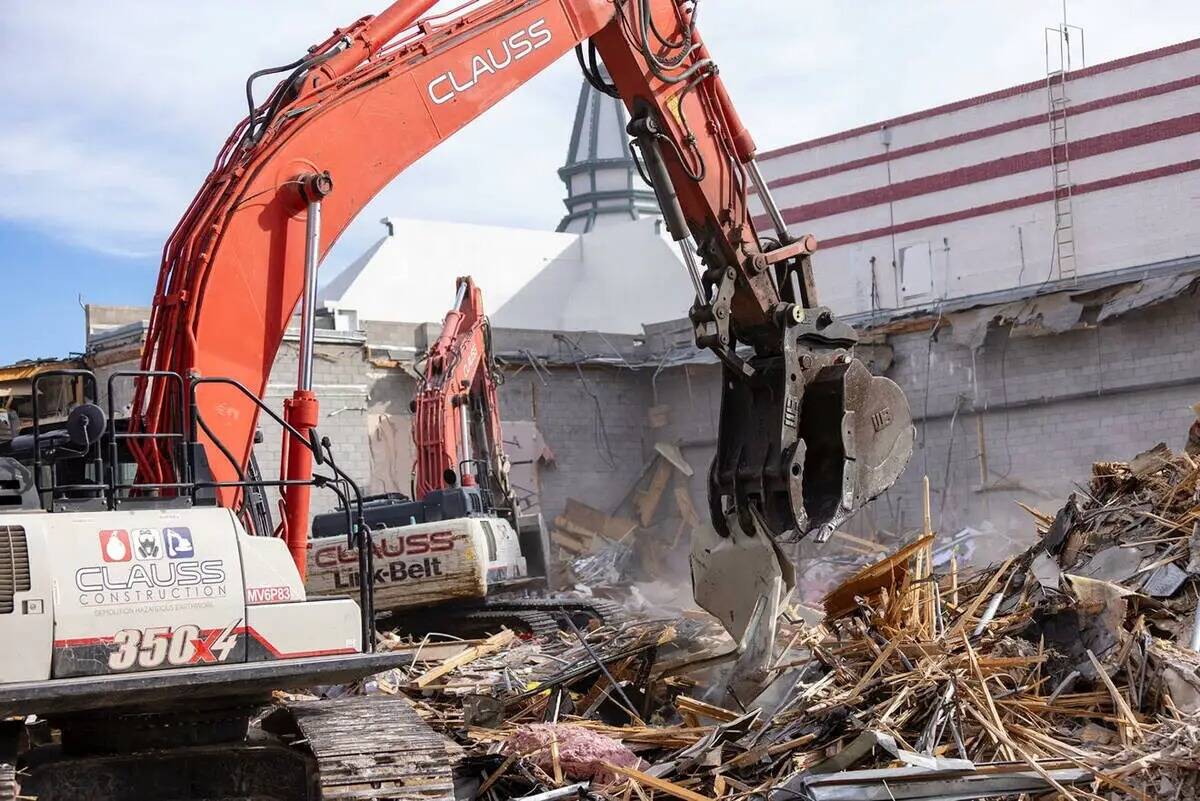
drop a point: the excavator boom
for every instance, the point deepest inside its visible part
(807, 435)
(456, 425)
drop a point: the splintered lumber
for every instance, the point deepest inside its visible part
(569, 528)
(687, 510)
(582, 520)
(861, 544)
(658, 416)
(647, 500)
(489, 646)
(687, 705)
(660, 785)
(887, 574)
(573, 544)
(1129, 728)
(672, 454)
(1062, 670)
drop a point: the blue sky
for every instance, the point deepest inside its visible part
(113, 112)
(42, 279)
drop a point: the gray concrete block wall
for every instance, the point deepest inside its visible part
(1036, 455)
(693, 393)
(1143, 347)
(593, 420)
(1051, 406)
(340, 379)
(599, 444)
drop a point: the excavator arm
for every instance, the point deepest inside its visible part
(806, 436)
(456, 419)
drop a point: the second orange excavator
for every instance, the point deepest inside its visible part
(459, 551)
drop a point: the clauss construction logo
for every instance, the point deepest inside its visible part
(491, 61)
(114, 545)
(179, 543)
(148, 543)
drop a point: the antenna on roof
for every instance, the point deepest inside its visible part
(1059, 47)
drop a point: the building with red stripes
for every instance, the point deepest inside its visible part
(1080, 174)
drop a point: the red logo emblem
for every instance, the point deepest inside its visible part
(114, 545)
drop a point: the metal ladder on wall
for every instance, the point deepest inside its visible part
(1058, 69)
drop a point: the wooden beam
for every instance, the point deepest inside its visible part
(661, 785)
(489, 646)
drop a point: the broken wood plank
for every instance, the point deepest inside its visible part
(570, 543)
(672, 454)
(489, 646)
(1130, 730)
(688, 705)
(591, 520)
(660, 785)
(647, 500)
(687, 510)
(659, 415)
(886, 574)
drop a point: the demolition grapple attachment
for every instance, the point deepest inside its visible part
(808, 436)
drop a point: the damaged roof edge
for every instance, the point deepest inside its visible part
(1089, 283)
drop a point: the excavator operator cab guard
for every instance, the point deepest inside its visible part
(87, 464)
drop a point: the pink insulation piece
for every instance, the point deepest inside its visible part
(581, 752)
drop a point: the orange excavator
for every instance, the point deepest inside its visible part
(456, 425)
(806, 434)
(459, 548)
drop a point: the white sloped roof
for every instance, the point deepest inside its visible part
(612, 279)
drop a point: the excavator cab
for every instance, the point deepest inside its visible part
(99, 564)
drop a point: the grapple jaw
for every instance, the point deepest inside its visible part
(809, 437)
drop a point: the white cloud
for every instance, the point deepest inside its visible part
(114, 111)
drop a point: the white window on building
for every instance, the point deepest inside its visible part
(916, 271)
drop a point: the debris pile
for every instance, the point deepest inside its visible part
(1064, 671)
(640, 536)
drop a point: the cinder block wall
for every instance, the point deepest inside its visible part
(1050, 406)
(593, 420)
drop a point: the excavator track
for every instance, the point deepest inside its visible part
(532, 622)
(376, 747)
(606, 613)
(534, 617)
(9, 791)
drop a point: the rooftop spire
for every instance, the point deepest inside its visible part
(603, 185)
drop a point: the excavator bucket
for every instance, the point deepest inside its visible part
(808, 436)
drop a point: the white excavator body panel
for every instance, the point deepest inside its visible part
(423, 564)
(115, 592)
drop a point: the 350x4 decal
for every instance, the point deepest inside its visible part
(183, 645)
